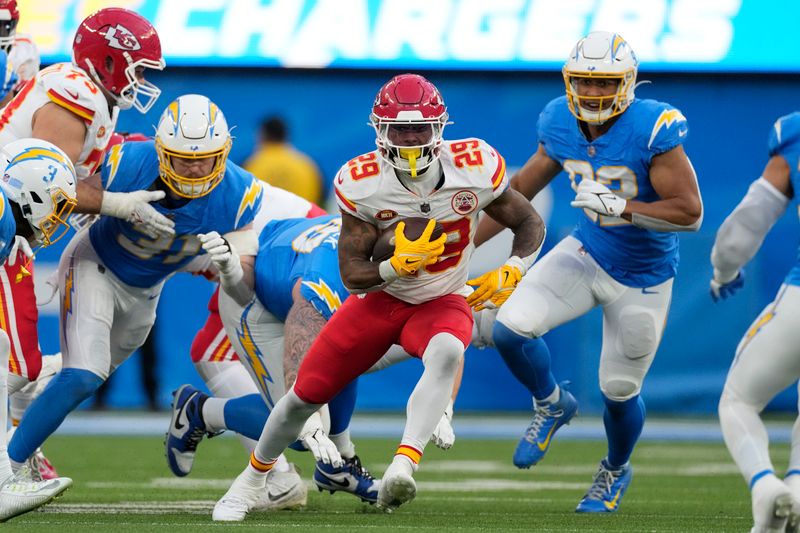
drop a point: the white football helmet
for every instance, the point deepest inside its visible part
(600, 55)
(40, 179)
(192, 127)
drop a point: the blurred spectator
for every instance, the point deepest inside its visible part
(280, 164)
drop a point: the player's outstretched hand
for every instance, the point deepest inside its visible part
(444, 436)
(493, 288)
(223, 256)
(134, 207)
(598, 198)
(21, 244)
(409, 256)
(321, 447)
(720, 290)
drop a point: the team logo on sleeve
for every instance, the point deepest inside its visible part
(464, 202)
(121, 38)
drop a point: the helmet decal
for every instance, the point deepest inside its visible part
(121, 38)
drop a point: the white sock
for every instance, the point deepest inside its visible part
(553, 398)
(343, 443)
(214, 413)
(432, 393)
(281, 464)
(5, 352)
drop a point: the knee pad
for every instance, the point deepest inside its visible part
(620, 389)
(637, 333)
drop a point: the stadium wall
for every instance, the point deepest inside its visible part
(729, 119)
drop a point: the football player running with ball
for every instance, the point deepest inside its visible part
(637, 188)
(414, 298)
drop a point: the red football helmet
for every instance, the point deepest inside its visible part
(409, 117)
(111, 45)
(9, 18)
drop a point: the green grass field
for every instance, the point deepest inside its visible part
(122, 484)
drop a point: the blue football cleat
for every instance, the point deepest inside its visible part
(186, 429)
(607, 489)
(546, 421)
(351, 477)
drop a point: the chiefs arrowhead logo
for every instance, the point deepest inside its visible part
(121, 38)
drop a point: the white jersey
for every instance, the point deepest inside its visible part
(24, 58)
(279, 204)
(71, 88)
(474, 174)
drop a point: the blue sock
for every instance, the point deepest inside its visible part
(624, 422)
(246, 415)
(528, 359)
(61, 396)
(341, 408)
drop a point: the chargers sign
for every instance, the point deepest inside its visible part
(670, 35)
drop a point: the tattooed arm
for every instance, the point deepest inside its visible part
(303, 324)
(356, 241)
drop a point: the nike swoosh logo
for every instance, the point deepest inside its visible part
(613, 503)
(645, 291)
(275, 497)
(72, 94)
(543, 445)
(344, 484)
(182, 414)
(505, 277)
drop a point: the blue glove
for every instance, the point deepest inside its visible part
(721, 291)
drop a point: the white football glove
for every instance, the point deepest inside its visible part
(483, 326)
(134, 207)
(444, 436)
(598, 198)
(222, 254)
(48, 290)
(321, 447)
(21, 244)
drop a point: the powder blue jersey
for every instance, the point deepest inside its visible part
(300, 248)
(784, 140)
(142, 261)
(8, 228)
(619, 159)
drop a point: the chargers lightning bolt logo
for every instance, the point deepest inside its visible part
(112, 162)
(254, 356)
(251, 197)
(326, 294)
(666, 118)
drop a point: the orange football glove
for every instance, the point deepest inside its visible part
(409, 256)
(496, 286)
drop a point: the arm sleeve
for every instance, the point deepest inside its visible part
(742, 233)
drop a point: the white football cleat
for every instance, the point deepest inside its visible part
(397, 487)
(772, 505)
(240, 499)
(285, 491)
(22, 493)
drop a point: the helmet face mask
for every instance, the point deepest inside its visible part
(9, 18)
(193, 133)
(40, 179)
(606, 61)
(409, 117)
(114, 46)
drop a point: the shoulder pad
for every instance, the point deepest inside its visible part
(785, 134)
(551, 115)
(669, 126)
(357, 179)
(249, 202)
(474, 152)
(73, 90)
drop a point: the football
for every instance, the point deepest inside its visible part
(384, 246)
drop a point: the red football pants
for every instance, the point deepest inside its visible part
(363, 329)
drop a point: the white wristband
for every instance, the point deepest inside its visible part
(387, 271)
